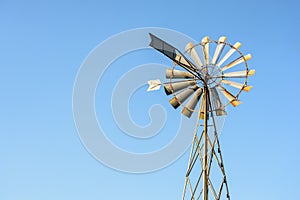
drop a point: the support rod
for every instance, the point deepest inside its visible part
(205, 136)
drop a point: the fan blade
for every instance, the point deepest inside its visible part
(232, 99)
(180, 59)
(236, 62)
(205, 42)
(190, 106)
(177, 86)
(218, 105)
(194, 55)
(240, 86)
(229, 53)
(182, 96)
(239, 74)
(251, 72)
(218, 50)
(170, 73)
(154, 85)
(172, 53)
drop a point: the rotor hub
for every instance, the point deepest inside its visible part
(211, 74)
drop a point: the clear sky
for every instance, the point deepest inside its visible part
(43, 44)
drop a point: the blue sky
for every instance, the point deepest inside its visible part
(42, 45)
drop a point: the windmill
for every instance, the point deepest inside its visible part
(204, 85)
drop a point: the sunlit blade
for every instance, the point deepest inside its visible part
(239, 74)
(205, 42)
(173, 73)
(232, 99)
(177, 86)
(251, 72)
(236, 62)
(218, 50)
(194, 55)
(229, 53)
(182, 96)
(181, 59)
(218, 105)
(190, 106)
(154, 85)
(240, 86)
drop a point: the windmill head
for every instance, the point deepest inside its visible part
(223, 76)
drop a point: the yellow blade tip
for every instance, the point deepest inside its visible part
(174, 102)
(205, 39)
(247, 88)
(237, 45)
(222, 39)
(248, 56)
(188, 46)
(235, 103)
(251, 72)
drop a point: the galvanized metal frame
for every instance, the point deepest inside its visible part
(203, 151)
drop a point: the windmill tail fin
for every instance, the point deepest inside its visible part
(154, 85)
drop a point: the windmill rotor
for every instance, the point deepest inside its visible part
(225, 74)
